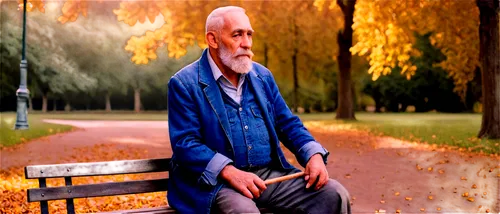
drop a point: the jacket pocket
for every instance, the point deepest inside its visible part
(258, 116)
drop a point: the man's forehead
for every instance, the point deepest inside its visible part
(237, 21)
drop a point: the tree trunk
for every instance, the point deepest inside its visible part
(345, 108)
(55, 105)
(45, 102)
(378, 106)
(295, 101)
(30, 103)
(137, 100)
(295, 81)
(489, 54)
(67, 107)
(266, 57)
(108, 101)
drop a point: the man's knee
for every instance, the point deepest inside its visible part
(241, 206)
(229, 201)
(336, 194)
(334, 186)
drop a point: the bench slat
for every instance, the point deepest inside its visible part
(97, 168)
(95, 190)
(156, 210)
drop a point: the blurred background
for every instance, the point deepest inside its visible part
(84, 65)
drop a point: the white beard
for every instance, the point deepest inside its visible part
(239, 64)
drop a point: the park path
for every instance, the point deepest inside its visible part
(381, 173)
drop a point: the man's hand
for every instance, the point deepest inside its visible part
(248, 184)
(316, 171)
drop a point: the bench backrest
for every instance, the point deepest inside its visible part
(69, 192)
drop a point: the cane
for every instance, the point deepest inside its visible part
(284, 178)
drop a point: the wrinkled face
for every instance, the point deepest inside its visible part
(235, 42)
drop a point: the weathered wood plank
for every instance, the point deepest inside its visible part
(97, 168)
(156, 210)
(95, 190)
(163, 210)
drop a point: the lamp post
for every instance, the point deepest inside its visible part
(23, 93)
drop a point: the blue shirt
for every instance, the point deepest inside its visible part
(252, 147)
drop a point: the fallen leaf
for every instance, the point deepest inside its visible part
(480, 206)
(484, 193)
(443, 161)
(398, 211)
(474, 186)
(422, 210)
(429, 169)
(487, 210)
(419, 168)
(347, 175)
(397, 193)
(441, 171)
(439, 209)
(408, 198)
(455, 191)
(430, 197)
(471, 199)
(491, 170)
(380, 211)
(382, 201)
(353, 198)
(466, 194)
(463, 178)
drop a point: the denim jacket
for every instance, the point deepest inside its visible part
(199, 133)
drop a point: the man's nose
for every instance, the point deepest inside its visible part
(246, 42)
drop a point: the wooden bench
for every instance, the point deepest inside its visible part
(43, 194)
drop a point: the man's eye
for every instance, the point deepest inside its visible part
(236, 35)
(249, 34)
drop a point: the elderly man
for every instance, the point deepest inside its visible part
(226, 120)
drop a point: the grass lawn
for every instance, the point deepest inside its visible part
(434, 128)
(37, 128)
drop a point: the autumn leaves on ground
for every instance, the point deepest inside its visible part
(383, 174)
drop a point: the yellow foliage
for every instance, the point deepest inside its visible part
(383, 33)
(31, 5)
(71, 10)
(131, 12)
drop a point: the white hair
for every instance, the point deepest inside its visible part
(215, 20)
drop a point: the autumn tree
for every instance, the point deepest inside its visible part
(489, 54)
(345, 107)
(292, 44)
(383, 33)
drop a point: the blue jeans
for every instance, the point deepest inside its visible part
(287, 197)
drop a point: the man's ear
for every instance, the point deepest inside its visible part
(212, 39)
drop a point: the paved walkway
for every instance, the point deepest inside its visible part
(381, 173)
